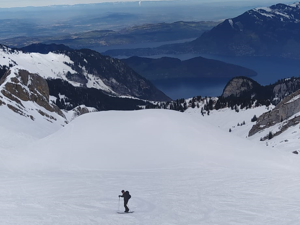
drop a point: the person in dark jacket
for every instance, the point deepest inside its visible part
(126, 196)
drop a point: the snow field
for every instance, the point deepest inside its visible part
(179, 169)
(226, 119)
(206, 193)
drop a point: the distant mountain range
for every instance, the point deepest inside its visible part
(168, 68)
(147, 33)
(267, 31)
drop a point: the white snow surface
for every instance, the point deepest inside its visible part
(293, 99)
(180, 168)
(231, 22)
(48, 66)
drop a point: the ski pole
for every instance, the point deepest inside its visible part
(119, 205)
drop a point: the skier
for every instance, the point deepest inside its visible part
(126, 196)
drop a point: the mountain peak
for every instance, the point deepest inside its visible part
(282, 12)
(265, 31)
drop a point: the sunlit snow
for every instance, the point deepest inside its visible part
(48, 66)
(179, 168)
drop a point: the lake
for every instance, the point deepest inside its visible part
(269, 70)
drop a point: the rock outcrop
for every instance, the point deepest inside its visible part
(19, 87)
(239, 86)
(242, 88)
(80, 110)
(283, 112)
(284, 88)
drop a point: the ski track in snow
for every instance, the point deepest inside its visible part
(205, 194)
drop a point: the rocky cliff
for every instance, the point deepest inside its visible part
(284, 112)
(19, 89)
(246, 88)
(28, 95)
(240, 86)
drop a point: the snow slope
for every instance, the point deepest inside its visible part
(48, 66)
(178, 168)
(227, 119)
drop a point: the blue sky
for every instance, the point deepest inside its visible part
(24, 3)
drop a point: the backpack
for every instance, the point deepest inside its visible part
(129, 196)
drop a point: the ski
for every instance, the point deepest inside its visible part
(125, 212)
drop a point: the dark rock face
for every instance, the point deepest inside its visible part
(3, 70)
(240, 86)
(91, 97)
(285, 88)
(284, 110)
(246, 88)
(21, 86)
(116, 74)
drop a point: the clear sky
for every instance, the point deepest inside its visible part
(24, 3)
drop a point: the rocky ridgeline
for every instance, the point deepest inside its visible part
(246, 88)
(19, 87)
(239, 86)
(284, 111)
(285, 88)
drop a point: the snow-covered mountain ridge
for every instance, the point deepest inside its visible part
(281, 12)
(269, 31)
(82, 68)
